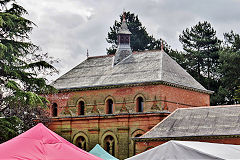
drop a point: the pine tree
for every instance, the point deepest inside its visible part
(140, 39)
(202, 52)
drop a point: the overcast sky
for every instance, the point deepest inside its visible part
(67, 28)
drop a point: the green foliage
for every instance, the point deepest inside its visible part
(229, 68)
(20, 65)
(9, 128)
(201, 57)
(22, 69)
(201, 46)
(140, 39)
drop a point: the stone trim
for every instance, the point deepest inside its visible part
(158, 113)
(133, 85)
(185, 138)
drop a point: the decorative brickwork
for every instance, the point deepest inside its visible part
(125, 123)
(95, 129)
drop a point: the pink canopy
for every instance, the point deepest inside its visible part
(40, 143)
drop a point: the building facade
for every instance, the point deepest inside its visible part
(109, 100)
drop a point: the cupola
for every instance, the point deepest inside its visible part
(124, 49)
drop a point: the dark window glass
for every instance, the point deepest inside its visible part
(127, 39)
(138, 135)
(109, 145)
(121, 39)
(81, 108)
(109, 106)
(81, 143)
(139, 104)
(54, 109)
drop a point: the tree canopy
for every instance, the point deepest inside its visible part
(229, 69)
(140, 39)
(201, 47)
(22, 67)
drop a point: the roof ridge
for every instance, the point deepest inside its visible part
(145, 51)
(219, 106)
(109, 55)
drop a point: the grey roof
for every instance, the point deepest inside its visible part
(148, 66)
(124, 28)
(122, 53)
(198, 121)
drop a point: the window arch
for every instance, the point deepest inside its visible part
(139, 103)
(109, 145)
(109, 104)
(81, 143)
(54, 110)
(81, 140)
(81, 108)
(136, 133)
(112, 144)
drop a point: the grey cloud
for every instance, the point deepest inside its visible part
(67, 28)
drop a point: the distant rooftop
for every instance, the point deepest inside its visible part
(199, 121)
(141, 67)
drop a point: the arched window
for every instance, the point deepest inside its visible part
(54, 109)
(109, 106)
(139, 104)
(81, 108)
(81, 143)
(109, 145)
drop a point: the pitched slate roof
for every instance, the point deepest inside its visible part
(142, 67)
(199, 121)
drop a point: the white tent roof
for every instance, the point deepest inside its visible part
(190, 150)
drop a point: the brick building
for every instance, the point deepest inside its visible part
(110, 99)
(216, 124)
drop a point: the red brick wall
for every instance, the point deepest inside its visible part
(123, 127)
(161, 95)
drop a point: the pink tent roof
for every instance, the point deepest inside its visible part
(40, 143)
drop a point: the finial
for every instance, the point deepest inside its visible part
(162, 46)
(124, 15)
(87, 53)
